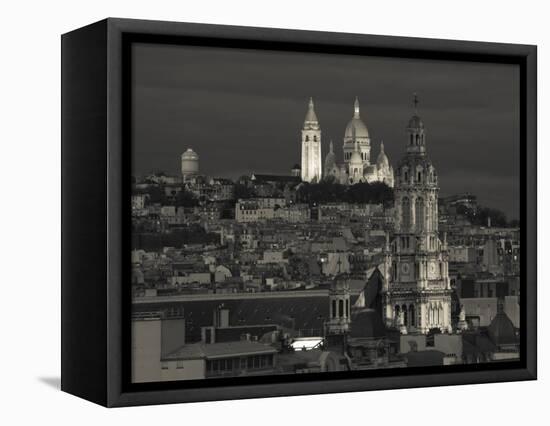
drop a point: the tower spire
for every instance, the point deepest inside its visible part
(311, 118)
(356, 108)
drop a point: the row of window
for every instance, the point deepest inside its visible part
(419, 176)
(314, 138)
(347, 156)
(424, 216)
(416, 139)
(239, 363)
(340, 312)
(435, 314)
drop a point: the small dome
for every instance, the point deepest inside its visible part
(190, 155)
(501, 330)
(415, 122)
(330, 159)
(382, 160)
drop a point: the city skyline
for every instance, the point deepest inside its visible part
(274, 276)
(479, 114)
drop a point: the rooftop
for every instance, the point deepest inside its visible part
(219, 350)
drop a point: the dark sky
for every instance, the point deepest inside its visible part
(242, 112)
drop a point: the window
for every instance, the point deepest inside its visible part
(406, 212)
(164, 365)
(307, 138)
(334, 309)
(419, 214)
(340, 308)
(347, 307)
(179, 364)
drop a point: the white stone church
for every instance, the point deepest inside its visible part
(356, 166)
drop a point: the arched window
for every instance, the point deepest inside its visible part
(397, 311)
(307, 138)
(406, 213)
(412, 139)
(417, 139)
(314, 138)
(419, 214)
(412, 318)
(405, 316)
(347, 308)
(340, 308)
(334, 309)
(419, 176)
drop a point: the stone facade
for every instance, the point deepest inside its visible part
(417, 292)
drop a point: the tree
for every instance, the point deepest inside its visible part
(186, 198)
(328, 191)
(243, 191)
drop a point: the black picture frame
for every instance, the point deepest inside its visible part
(95, 210)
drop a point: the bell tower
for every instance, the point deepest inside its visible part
(339, 306)
(417, 290)
(311, 146)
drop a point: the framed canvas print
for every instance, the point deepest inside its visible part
(253, 212)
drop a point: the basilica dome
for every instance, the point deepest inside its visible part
(356, 128)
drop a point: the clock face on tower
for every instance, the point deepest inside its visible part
(432, 268)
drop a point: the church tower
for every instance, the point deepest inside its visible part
(417, 292)
(311, 146)
(339, 306)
